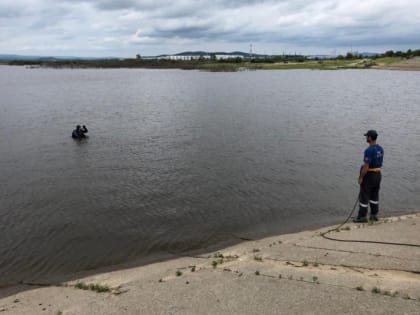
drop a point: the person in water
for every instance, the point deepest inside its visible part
(79, 132)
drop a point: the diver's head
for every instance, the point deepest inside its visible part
(78, 127)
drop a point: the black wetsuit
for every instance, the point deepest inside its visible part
(79, 133)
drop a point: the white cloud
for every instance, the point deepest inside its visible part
(127, 27)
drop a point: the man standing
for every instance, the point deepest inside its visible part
(370, 179)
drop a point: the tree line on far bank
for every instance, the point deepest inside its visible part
(138, 61)
(390, 53)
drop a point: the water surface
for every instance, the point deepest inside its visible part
(178, 160)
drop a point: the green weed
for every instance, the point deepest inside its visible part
(376, 290)
(93, 287)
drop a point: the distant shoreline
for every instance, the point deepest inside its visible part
(386, 63)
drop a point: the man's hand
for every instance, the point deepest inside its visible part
(363, 172)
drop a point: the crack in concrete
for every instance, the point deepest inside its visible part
(353, 252)
(413, 275)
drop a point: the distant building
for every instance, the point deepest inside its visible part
(184, 57)
(198, 57)
(228, 56)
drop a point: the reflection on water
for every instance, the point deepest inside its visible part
(182, 159)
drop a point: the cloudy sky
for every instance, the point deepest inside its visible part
(124, 28)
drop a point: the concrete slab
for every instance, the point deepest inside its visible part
(300, 273)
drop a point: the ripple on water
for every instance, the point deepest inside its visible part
(179, 160)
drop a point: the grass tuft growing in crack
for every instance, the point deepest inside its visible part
(376, 290)
(92, 287)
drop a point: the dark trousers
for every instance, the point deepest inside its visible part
(369, 194)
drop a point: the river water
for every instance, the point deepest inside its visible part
(180, 160)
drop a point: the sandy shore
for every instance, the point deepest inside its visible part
(412, 64)
(300, 273)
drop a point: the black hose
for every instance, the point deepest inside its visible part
(324, 234)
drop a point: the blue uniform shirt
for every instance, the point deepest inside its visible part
(374, 155)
